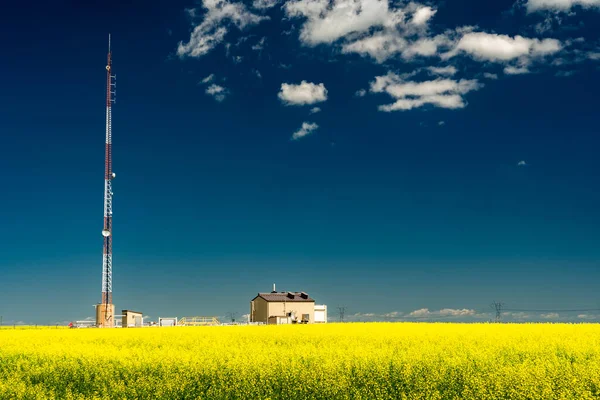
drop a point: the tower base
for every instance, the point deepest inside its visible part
(105, 315)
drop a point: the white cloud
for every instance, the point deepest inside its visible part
(489, 75)
(587, 316)
(264, 4)
(493, 47)
(360, 93)
(328, 21)
(559, 5)
(380, 46)
(445, 312)
(594, 55)
(315, 110)
(306, 129)
(522, 163)
(520, 315)
(385, 44)
(217, 91)
(550, 316)
(257, 73)
(510, 70)
(442, 123)
(422, 15)
(304, 93)
(444, 71)
(444, 93)
(393, 314)
(212, 30)
(208, 79)
(260, 44)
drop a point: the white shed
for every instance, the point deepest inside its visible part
(320, 314)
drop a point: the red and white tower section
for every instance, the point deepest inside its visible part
(105, 311)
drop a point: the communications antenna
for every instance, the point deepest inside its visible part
(105, 310)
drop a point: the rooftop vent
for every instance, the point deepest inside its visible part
(290, 295)
(304, 295)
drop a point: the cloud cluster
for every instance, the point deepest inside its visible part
(306, 129)
(302, 94)
(446, 312)
(551, 315)
(214, 26)
(217, 91)
(498, 48)
(559, 5)
(444, 93)
(369, 27)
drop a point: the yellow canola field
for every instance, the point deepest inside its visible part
(333, 361)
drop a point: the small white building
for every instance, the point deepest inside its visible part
(320, 314)
(167, 321)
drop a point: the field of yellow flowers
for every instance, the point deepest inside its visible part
(334, 361)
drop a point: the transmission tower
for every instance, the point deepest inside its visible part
(498, 307)
(341, 312)
(105, 311)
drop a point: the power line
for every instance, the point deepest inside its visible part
(539, 310)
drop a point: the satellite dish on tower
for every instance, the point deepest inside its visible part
(105, 233)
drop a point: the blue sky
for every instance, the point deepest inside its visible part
(392, 157)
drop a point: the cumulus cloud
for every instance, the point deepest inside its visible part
(444, 93)
(587, 316)
(559, 5)
(328, 21)
(385, 44)
(445, 312)
(500, 48)
(208, 79)
(521, 163)
(214, 26)
(489, 75)
(550, 316)
(444, 71)
(422, 15)
(306, 129)
(218, 92)
(593, 55)
(260, 45)
(360, 93)
(315, 110)
(510, 70)
(520, 315)
(264, 4)
(372, 28)
(303, 93)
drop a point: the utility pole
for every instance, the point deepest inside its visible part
(341, 312)
(496, 305)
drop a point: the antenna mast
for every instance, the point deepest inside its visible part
(105, 310)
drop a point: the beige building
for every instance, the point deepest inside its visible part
(282, 308)
(132, 319)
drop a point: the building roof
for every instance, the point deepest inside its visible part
(280, 297)
(130, 312)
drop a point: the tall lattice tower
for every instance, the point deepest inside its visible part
(105, 311)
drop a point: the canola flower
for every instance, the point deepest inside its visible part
(333, 361)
